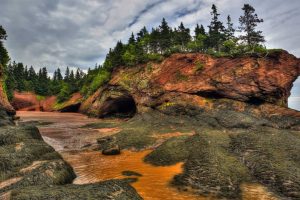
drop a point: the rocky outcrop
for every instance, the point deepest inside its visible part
(28, 101)
(191, 78)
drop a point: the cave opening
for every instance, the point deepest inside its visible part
(72, 108)
(120, 107)
(255, 101)
(294, 98)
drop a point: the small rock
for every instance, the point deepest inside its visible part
(113, 150)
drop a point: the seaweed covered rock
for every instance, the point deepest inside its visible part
(222, 148)
(24, 155)
(112, 189)
(31, 169)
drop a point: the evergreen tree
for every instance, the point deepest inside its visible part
(19, 76)
(72, 77)
(4, 58)
(143, 33)
(131, 39)
(182, 36)
(143, 40)
(26, 73)
(55, 76)
(164, 39)
(3, 34)
(248, 24)
(216, 30)
(78, 74)
(31, 74)
(10, 81)
(154, 40)
(116, 55)
(199, 30)
(229, 31)
(58, 74)
(67, 75)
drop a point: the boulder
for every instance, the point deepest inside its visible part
(112, 150)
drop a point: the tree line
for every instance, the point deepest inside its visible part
(20, 78)
(220, 39)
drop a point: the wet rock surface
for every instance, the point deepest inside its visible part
(31, 169)
(111, 150)
(114, 189)
(233, 143)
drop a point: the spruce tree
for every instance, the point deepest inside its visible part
(216, 30)
(199, 30)
(59, 76)
(143, 32)
(131, 39)
(164, 36)
(143, 40)
(67, 75)
(229, 31)
(78, 74)
(3, 34)
(31, 74)
(154, 40)
(248, 24)
(182, 36)
(55, 76)
(4, 57)
(116, 54)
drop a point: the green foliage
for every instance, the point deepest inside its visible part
(40, 98)
(248, 24)
(95, 79)
(64, 93)
(180, 77)
(155, 57)
(199, 66)
(19, 78)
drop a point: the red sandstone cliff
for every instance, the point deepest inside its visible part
(193, 79)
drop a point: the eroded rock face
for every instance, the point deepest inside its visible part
(28, 101)
(190, 78)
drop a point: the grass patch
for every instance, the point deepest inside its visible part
(40, 98)
(199, 66)
(181, 77)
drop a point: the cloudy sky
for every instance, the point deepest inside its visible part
(79, 33)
